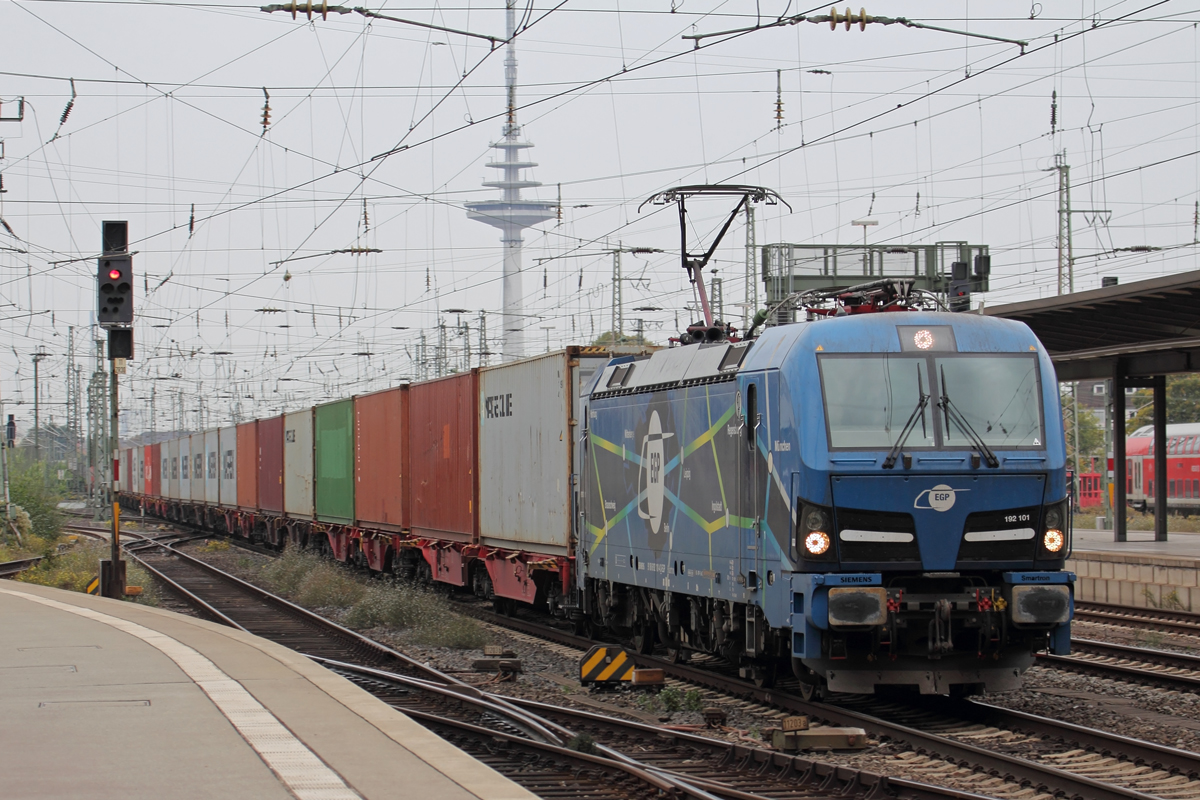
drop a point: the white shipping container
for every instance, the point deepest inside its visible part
(212, 468)
(298, 464)
(227, 442)
(185, 468)
(172, 482)
(526, 447)
(197, 468)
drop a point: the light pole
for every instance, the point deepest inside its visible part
(37, 441)
(864, 224)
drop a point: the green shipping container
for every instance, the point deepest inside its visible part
(334, 462)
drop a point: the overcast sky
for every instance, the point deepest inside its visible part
(379, 132)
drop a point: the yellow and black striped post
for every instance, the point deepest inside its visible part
(605, 664)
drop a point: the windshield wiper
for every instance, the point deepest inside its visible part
(952, 413)
(919, 411)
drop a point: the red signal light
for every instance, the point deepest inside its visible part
(114, 273)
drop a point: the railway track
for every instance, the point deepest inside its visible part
(714, 766)
(1156, 619)
(1174, 671)
(10, 568)
(521, 744)
(1053, 757)
(1018, 750)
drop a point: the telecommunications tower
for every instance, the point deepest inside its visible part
(512, 214)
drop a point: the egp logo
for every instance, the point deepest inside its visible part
(939, 498)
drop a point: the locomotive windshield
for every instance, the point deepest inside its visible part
(870, 398)
(999, 397)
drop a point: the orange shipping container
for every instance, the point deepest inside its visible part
(247, 466)
(443, 422)
(380, 459)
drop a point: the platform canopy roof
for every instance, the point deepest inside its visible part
(1146, 328)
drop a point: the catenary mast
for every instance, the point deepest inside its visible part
(512, 214)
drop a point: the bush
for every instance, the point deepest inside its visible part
(310, 580)
(671, 699)
(285, 574)
(31, 488)
(214, 546)
(329, 586)
(420, 611)
(72, 570)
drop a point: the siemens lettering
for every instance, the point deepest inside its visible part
(498, 406)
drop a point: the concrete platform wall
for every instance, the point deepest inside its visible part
(1137, 580)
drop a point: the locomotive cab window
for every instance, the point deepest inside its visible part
(949, 400)
(999, 398)
(869, 399)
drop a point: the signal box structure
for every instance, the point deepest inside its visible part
(950, 269)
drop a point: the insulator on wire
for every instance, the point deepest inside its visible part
(1053, 111)
(266, 112)
(848, 18)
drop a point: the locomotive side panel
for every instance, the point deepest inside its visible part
(665, 507)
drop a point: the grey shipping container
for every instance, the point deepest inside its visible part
(198, 468)
(212, 467)
(137, 471)
(298, 464)
(185, 468)
(172, 481)
(227, 441)
(528, 421)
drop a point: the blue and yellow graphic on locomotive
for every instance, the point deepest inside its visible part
(876, 499)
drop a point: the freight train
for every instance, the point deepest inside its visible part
(867, 499)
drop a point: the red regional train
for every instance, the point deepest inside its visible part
(391, 480)
(1183, 471)
(1183, 468)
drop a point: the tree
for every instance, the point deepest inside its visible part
(606, 340)
(1183, 402)
(1091, 434)
(32, 488)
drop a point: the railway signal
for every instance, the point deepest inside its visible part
(114, 290)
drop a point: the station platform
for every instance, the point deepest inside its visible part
(107, 699)
(1139, 572)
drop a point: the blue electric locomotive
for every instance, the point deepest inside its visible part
(871, 498)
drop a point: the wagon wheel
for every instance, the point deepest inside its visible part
(643, 640)
(811, 692)
(676, 654)
(764, 675)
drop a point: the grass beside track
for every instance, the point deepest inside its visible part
(423, 614)
(74, 568)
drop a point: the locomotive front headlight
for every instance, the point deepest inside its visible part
(1054, 528)
(1053, 540)
(816, 520)
(814, 531)
(817, 542)
(1053, 517)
